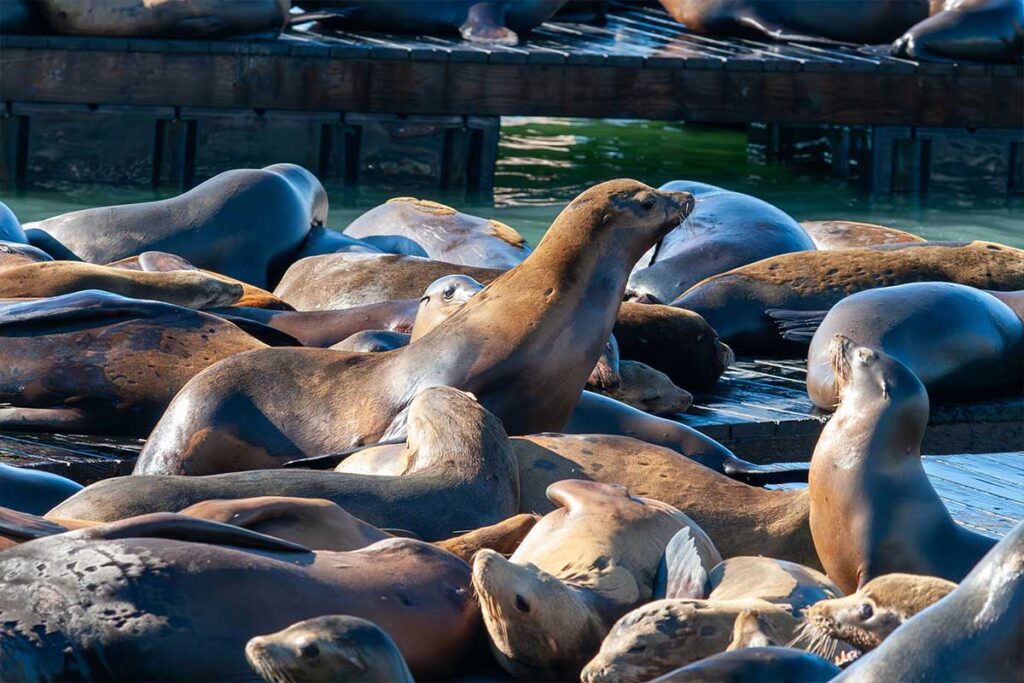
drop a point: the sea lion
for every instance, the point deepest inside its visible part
(247, 224)
(373, 341)
(725, 230)
(967, 30)
(443, 297)
(977, 351)
(735, 303)
(548, 606)
(867, 617)
(467, 479)
(417, 227)
(751, 630)
(524, 347)
(859, 21)
(323, 240)
(14, 254)
(141, 598)
(755, 665)
(775, 581)
(32, 491)
(873, 508)
(163, 18)
(10, 226)
(331, 648)
(503, 537)
(841, 234)
(95, 362)
(971, 634)
(649, 390)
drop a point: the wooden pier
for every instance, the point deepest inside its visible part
(349, 104)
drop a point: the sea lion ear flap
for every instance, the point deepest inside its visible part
(573, 494)
(797, 326)
(162, 262)
(681, 573)
(183, 528)
(21, 526)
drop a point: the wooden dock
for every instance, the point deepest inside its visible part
(337, 101)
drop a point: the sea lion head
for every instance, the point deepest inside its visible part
(659, 637)
(621, 212)
(333, 648)
(443, 297)
(533, 618)
(865, 618)
(12, 253)
(206, 291)
(866, 375)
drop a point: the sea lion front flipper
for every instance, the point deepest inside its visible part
(761, 475)
(183, 528)
(331, 460)
(485, 23)
(796, 326)
(573, 494)
(162, 262)
(681, 573)
(21, 526)
(271, 336)
(86, 304)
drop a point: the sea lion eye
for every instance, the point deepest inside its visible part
(309, 650)
(449, 292)
(648, 203)
(865, 611)
(521, 604)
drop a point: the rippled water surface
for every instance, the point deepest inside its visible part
(545, 162)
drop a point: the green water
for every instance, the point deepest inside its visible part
(545, 162)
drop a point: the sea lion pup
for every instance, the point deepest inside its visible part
(725, 230)
(95, 362)
(974, 633)
(755, 665)
(873, 508)
(246, 224)
(967, 30)
(142, 598)
(27, 490)
(466, 477)
(524, 347)
(417, 227)
(331, 648)
(735, 303)
(976, 350)
(582, 566)
(867, 617)
(840, 234)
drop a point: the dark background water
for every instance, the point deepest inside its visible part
(545, 162)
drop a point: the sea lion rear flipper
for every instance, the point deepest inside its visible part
(183, 528)
(681, 573)
(485, 23)
(271, 336)
(330, 461)
(21, 526)
(768, 26)
(761, 475)
(796, 326)
(162, 262)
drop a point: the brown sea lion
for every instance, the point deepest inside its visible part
(873, 508)
(755, 665)
(581, 567)
(958, 340)
(649, 390)
(775, 581)
(524, 347)
(141, 599)
(341, 649)
(967, 30)
(95, 362)
(14, 254)
(28, 490)
(867, 617)
(467, 479)
(750, 630)
(417, 227)
(440, 300)
(247, 224)
(839, 234)
(735, 303)
(503, 537)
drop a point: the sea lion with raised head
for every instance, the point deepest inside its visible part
(755, 665)
(405, 225)
(95, 362)
(524, 346)
(873, 508)
(840, 234)
(142, 598)
(967, 30)
(548, 606)
(247, 224)
(972, 634)
(736, 303)
(341, 649)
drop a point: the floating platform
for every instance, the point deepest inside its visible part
(358, 105)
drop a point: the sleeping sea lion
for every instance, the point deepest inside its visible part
(417, 227)
(967, 30)
(14, 254)
(247, 224)
(873, 508)
(841, 234)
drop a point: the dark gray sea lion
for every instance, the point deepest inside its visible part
(852, 234)
(736, 303)
(968, 30)
(247, 224)
(972, 634)
(524, 347)
(163, 18)
(852, 21)
(10, 227)
(373, 341)
(322, 240)
(341, 649)
(873, 508)
(465, 478)
(33, 491)
(976, 351)
(417, 227)
(726, 230)
(755, 665)
(143, 598)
